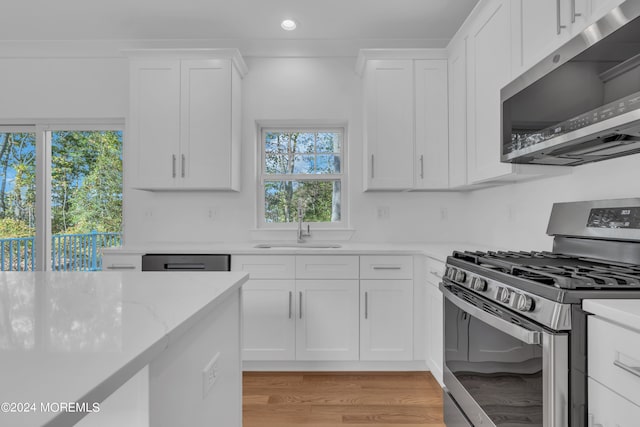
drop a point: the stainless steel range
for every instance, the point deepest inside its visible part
(515, 333)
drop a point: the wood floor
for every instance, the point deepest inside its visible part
(325, 399)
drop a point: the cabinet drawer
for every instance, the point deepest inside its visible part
(386, 267)
(607, 408)
(127, 262)
(614, 357)
(435, 270)
(326, 267)
(265, 266)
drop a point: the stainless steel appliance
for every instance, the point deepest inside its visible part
(580, 104)
(186, 262)
(515, 333)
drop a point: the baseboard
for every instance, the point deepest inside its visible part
(299, 365)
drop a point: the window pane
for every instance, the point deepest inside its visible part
(303, 142)
(17, 201)
(327, 163)
(277, 164)
(304, 164)
(86, 197)
(276, 142)
(328, 142)
(321, 200)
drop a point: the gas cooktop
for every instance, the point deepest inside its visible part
(558, 270)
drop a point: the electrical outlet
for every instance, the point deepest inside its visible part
(383, 212)
(210, 375)
(212, 213)
(444, 214)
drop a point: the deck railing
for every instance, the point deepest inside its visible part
(69, 252)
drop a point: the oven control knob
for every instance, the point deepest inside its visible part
(478, 284)
(461, 276)
(525, 303)
(503, 295)
(450, 273)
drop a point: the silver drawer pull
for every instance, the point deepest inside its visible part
(121, 267)
(633, 370)
(437, 274)
(300, 295)
(366, 305)
(290, 298)
(378, 267)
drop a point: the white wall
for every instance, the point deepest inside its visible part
(515, 216)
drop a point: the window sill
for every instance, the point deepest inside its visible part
(287, 234)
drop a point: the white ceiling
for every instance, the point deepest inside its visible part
(231, 19)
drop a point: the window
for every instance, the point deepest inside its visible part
(60, 196)
(302, 166)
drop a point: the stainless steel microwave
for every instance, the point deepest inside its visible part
(580, 104)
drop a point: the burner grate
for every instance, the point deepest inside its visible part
(558, 270)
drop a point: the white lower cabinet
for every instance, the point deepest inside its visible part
(122, 262)
(269, 320)
(607, 408)
(386, 323)
(327, 320)
(316, 308)
(434, 318)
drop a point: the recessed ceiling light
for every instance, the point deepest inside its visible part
(288, 25)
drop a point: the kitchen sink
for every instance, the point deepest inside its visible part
(297, 245)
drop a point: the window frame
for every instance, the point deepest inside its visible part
(262, 177)
(43, 129)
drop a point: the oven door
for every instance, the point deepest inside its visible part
(500, 368)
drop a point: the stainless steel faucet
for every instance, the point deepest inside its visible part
(301, 232)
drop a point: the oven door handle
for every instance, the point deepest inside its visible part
(518, 332)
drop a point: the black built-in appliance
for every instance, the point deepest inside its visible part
(514, 330)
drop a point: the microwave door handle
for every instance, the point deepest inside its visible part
(518, 332)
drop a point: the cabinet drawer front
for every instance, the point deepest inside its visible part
(386, 267)
(265, 266)
(435, 270)
(607, 408)
(121, 262)
(326, 267)
(614, 357)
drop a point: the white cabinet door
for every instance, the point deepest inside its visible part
(544, 25)
(268, 322)
(458, 114)
(607, 408)
(388, 127)
(206, 135)
(386, 319)
(327, 320)
(154, 125)
(490, 69)
(431, 119)
(434, 332)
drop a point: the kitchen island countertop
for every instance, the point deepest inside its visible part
(77, 337)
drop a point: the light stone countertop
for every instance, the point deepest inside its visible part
(439, 251)
(625, 312)
(77, 337)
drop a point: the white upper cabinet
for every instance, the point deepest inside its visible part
(388, 124)
(458, 113)
(431, 124)
(185, 119)
(405, 119)
(490, 69)
(541, 26)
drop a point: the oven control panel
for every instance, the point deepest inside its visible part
(544, 311)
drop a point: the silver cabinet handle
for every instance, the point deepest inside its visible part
(182, 166)
(573, 11)
(381, 267)
(366, 305)
(422, 166)
(121, 267)
(300, 294)
(173, 165)
(633, 370)
(437, 274)
(559, 18)
(290, 300)
(372, 166)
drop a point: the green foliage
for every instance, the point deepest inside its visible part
(86, 182)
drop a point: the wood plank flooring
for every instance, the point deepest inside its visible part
(325, 399)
